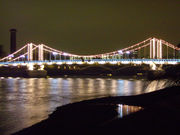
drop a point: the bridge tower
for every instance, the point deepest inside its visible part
(40, 53)
(159, 49)
(155, 49)
(30, 52)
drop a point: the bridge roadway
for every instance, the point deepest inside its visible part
(92, 61)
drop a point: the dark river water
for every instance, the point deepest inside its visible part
(26, 101)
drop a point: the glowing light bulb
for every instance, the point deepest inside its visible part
(22, 56)
(12, 55)
(65, 54)
(120, 52)
(54, 53)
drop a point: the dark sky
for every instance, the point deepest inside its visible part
(89, 27)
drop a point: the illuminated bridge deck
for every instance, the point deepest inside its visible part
(99, 61)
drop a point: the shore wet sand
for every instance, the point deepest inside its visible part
(160, 115)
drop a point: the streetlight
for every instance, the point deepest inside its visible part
(120, 53)
(65, 54)
(11, 56)
(128, 52)
(54, 53)
(22, 56)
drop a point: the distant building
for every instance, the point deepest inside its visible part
(13, 40)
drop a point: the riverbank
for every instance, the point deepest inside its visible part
(159, 116)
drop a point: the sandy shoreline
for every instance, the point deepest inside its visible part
(159, 116)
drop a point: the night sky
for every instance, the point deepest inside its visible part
(89, 27)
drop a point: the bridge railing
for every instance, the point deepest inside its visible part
(87, 61)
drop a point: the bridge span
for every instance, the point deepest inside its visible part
(151, 51)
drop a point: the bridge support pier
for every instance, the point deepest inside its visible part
(153, 66)
(41, 67)
(30, 66)
(36, 73)
(160, 67)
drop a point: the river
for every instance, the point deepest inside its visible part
(26, 101)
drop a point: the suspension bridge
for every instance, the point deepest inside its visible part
(151, 51)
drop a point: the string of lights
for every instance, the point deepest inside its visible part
(44, 48)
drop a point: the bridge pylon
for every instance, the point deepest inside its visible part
(40, 52)
(30, 51)
(155, 49)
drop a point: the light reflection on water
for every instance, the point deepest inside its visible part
(124, 110)
(24, 101)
